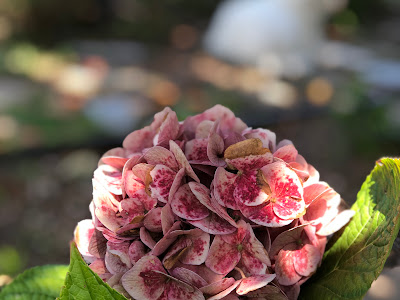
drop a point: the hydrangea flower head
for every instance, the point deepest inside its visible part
(207, 208)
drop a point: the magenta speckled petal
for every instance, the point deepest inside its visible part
(288, 208)
(198, 251)
(110, 178)
(196, 151)
(222, 257)
(263, 215)
(142, 282)
(169, 129)
(127, 175)
(213, 224)
(338, 222)
(203, 129)
(251, 265)
(224, 186)
(131, 183)
(178, 290)
(185, 205)
(250, 162)
(167, 240)
(163, 178)
(160, 156)
(253, 283)
(247, 190)
(136, 251)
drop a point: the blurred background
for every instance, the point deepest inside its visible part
(77, 76)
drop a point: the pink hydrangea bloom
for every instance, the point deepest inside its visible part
(207, 208)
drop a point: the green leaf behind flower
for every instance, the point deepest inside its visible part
(81, 283)
(39, 283)
(356, 255)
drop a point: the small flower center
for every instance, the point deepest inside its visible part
(240, 247)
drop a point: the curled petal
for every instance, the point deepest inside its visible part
(167, 218)
(162, 180)
(224, 186)
(110, 178)
(189, 277)
(146, 238)
(291, 236)
(115, 157)
(213, 224)
(182, 160)
(152, 221)
(218, 286)
(83, 233)
(314, 191)
(97, 245)
(284, 268)
(179, 290)
(251, 264)
(263, 215)
(250, 162)
(338, 222)
(117, 258)
(166, 240)
(142, 282)
(255, 248)
(215, 147)
(185, 205)
(202, 193)
(306, 260)
(160, 156)
(169, 128)
(128, 176)
(222, 257)
(176, 184)
(225, 292)
(253, 283)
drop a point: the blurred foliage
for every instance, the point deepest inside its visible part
(11, 262)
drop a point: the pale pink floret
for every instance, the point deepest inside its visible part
(148, 280)
(227, 250)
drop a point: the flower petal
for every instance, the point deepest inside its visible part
(185, 205)
(136, 251)
(202, 193)
(291, 236)
(253, 283)
(167, 218)
(160, 156)
(110, 178)
(198, 251)
(168, 130)
(178, 290)
(97, 245)
(218, 286)
(115, 157)
(338, 222)
(146, 238)
(251, 264)
(282, 180)
(141, 282)
(182, 160)
(306, 260)
(166, 240)
(152, 221)
(289, 208)
(117, 258)
(287, 153)
(222, 257)
(196, 151)
(263, 215)
(267, 137)
(224, 186)
(162, 180)
(203, 129)
(83, 233)
(284, 268)
(248, 190)
(255, 248)
(213, 224)
(314, 191)
(225, 292)
(139, 139)
(215, 147)
(189, 277)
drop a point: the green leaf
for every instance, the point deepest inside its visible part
(81, 283)
(39, 283)
(357, 254)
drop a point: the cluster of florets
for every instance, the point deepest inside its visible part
(207, 208)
